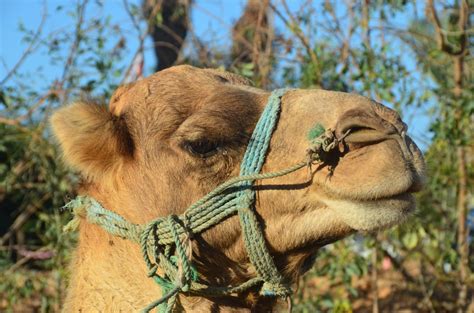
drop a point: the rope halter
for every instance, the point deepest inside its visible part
(166, 241)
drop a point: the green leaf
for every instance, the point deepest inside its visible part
(410, 240)
(159, 18)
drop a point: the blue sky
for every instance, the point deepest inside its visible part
(210, 19)
(208, 16)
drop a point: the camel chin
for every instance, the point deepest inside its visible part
(373, 215)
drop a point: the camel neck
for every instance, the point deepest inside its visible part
(101, 278)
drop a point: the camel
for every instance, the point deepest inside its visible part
(167, 140)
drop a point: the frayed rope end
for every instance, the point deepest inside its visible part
(78, 207)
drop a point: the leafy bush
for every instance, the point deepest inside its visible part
(355, 47)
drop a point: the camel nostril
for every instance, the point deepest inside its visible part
(363, 128)
(364, 135)
(357, 130)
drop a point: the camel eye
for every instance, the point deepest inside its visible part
(202, 148)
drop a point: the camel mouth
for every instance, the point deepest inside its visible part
(371, 184)
(375, 214)
(406, 195)
(375, 171)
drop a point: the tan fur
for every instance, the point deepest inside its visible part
(93, 140)
(135, 160)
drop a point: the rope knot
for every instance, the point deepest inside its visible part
(185, 275)
(321, 145)
(329, 140)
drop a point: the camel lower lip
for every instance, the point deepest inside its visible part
(401, 196)
(373, 215)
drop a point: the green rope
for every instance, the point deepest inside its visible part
(252, 163)
(166, 241)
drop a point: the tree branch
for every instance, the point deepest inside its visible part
(73, 49)
(443, 45)
(294, 27)
(30, 47)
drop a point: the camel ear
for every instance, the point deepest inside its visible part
(93, 140)
(117, 103)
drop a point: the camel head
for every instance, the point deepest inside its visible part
(169, 139)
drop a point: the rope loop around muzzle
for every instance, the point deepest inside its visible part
(166, 242)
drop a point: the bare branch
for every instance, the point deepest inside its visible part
(41, 100)
(431, 12)
(294, 27)
(141, 36)
(8, 121)
(135, 23)
(22, 218)
(462, 23)
(30, 47)
(74, 47)
(365, 22)
(443, 44)
(224, 23)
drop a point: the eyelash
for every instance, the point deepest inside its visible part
(202, 148)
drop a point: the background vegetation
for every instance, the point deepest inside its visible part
(416, 57)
